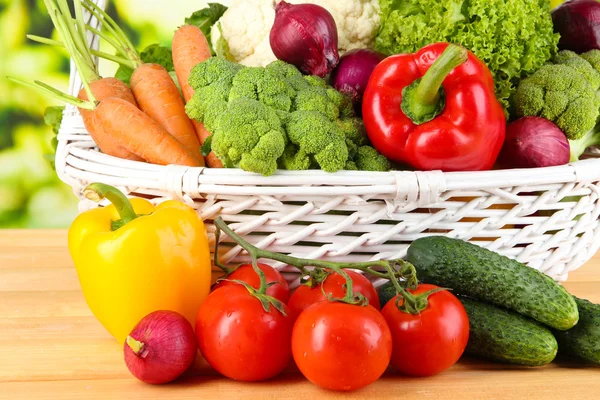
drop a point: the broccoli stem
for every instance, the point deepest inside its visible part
(422, 100)
(578, 147)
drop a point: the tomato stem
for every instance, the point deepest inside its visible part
(395, 269)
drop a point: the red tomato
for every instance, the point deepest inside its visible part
(428, 343)
(305, 296)
(246, 273)
(239, 339)
(340, 346)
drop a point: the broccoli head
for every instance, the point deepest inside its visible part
(204, 98)
(263, 85)
(264, 118)
(593, 57)
(212, 70)
(562, 95)
(580, 65)
(249, 135)
(368, 159)
(318, 139)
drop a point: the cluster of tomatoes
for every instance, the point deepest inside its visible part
(336, 345)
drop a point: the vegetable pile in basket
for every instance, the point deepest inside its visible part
(450, 297)
(372, 86)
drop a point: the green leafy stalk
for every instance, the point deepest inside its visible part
(101, 54)
(122, 43)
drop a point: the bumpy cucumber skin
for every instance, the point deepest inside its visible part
(583, 340)
(482, 274)
(504, 336)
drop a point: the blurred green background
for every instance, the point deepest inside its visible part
(31, 195)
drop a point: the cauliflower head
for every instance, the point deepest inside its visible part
(246, 25)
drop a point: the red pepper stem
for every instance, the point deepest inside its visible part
(422, 100)
(99, 191)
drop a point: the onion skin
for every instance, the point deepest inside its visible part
(578, 22)
(305, 35)
(353, 72)
(161, 347)
(534, 142)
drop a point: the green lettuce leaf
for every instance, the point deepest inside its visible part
(206, 18)
(514, 38)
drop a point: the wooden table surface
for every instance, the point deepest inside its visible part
(51, 347)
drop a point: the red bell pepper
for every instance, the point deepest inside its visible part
(435, 109)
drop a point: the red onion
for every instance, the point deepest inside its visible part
(161, 347)
(353, 72)
(533, 142)
(305, 35)
(578, 22)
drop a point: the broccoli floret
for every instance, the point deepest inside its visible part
(263, 85)
(205, 96)
(249, 135)
(580, 65)
(593, 57)
(562, 95)
(317, 81)
(351, 166)
(368, 159)
(212, 70)
(295, 159)
(353, 130)
(316, 99)
(318, 137)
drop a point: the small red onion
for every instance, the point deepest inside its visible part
(578, 22)
(533, 142)
(161, 347)
(353, 72)
(305, 35)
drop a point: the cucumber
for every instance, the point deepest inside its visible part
(386, 292)
(583, 340)
(501, 335)
(482, 274)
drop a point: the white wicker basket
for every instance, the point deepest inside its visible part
(363, 216)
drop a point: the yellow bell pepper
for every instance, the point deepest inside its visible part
(133, 258)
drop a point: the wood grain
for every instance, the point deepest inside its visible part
(51, 347)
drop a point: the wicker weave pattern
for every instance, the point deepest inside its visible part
(530, 215)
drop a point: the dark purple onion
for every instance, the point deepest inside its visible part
(353, 72)
(305, 35)
(578, 22)
(534, 142)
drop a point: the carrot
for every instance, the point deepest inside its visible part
(74, 40)
(190, 48)
(103, 89)
(153, 88)
(157, 96)
(111, 110)
(140, 134)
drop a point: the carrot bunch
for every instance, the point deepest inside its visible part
(190, 47)
(147, 123)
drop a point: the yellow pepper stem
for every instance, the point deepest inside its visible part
(99, 191)
(136, 346)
